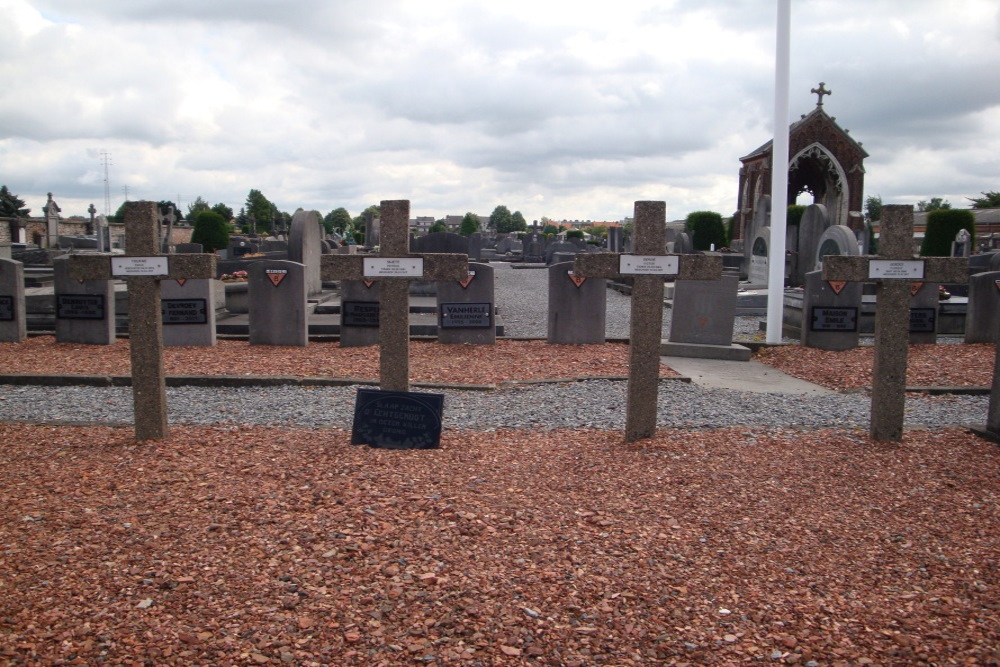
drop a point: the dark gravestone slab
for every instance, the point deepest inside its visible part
(828, 318)
(80, 306)
(923, 320)
(6, 309)
(466, 315)
(184, 311)
(13, 327)
(359, 313)
(397, 419)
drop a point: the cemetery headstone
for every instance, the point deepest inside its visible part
(962, 245)
(188, 307)
(143, 268)
(831, 313)
(359, 313)
(13, 328)
(704, 311)
(85, 310)
(394, 268)
(982, 321)
(835, 240)
(893, 271)
(441, 242)
(189, 248)
(615, 239)
(647, 268)
(466, 308)
(759, 252)
(278, 303)
(924, 302)
(397, 420)
(577, 307)
(476, 245)
(559, 247)
(812, 226)
(305, 247)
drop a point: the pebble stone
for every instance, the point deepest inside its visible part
(521, 297)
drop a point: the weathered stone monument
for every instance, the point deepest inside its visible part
(577, 307)
(982, 322)
(278, 303)
(13, 328)
(759, 252)
(305, 247)
(648, 268)
(85, 309)
(466, 308)
(142, 269)
(394, 268)
(893, 271)
(701, 324)
(188, 312)
(831, 313)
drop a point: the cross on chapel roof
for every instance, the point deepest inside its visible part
(820, 92)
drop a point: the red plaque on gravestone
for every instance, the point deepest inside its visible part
(837, 285)
(468, 280)
(577, 280)
(997, 284)
(276, 275)
(914, 288)
(368, 283)
(181, 281)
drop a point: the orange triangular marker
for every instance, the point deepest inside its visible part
(997, 283)
(577, 280)
(468, 280)
(837, 285)
(368, 283)
(181, 281)
(914, 288)
(276, 278)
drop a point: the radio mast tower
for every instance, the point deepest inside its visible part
(106, 161)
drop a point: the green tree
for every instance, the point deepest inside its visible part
(935, 204)
(470, 224)
(211, 230)
(500, 220)
(988, 200)
(260, 212)
(550, 230)
(794, 215)
(517, 221)
(337, 220)
(574, 234)
(707, 229)
(438, 226)
(873, 208)
(224, 211)
(942, 226)
(374, 211)
(12, 206)
(598, 231)
(197, 206)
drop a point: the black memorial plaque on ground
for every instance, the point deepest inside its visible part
(6, 308)
(922, 320)
(397, 419)
(359, 313)
(466, 315)
(827, 318)
(184, 311)
(80, 306)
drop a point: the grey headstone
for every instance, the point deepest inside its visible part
(830, 321)
(304, 247)
(278, 303)
(559, 247)
(616, 241)
(962, 245)
(814, 222)
(359, 303)
(760, 248)
(923, 312)
(982, 321)
(189, 248)
(85, 310)
(188, 308)
(466, 312)
(835, 240)
(683, 244)
(13, 328)
(704, 311)
(761, 219)
(440, 242)
(577, 309)
(476, 245)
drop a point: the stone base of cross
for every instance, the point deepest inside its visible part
(142, 268)
(648, 266)
(893, 270)
(394, 268)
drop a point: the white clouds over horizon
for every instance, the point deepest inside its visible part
(566, 111)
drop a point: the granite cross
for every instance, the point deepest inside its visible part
(142, 268)
(893, 270)
(648, 268)
(820, 92)
(394, 267)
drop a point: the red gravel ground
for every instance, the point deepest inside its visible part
(237, 546)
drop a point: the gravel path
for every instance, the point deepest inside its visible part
(521, 297)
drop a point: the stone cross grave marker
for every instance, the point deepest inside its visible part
(394, 268)
(142, 268)
(647, 267)
(893, 270)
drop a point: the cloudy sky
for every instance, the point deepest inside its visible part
(571, 110)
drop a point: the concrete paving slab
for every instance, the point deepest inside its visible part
(742, 376)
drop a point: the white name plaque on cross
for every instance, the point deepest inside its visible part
(394, 267)
(893, 268)
(139, 266)
(648, 265)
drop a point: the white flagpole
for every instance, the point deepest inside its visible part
(779, 177)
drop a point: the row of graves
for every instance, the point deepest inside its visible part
(176, 290)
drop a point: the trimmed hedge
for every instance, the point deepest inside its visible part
(942, 226)
(706, 228)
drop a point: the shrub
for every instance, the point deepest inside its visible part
(942, 226)
(211, 230)
(706, 228)
(794, 215)
(574, 234)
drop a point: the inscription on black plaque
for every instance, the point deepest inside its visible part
(466, 315)
(80, 306)
(359, 313)
(6, 308)
(397, 419)
(827, 318)
(184, 311)
(923, 320)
